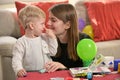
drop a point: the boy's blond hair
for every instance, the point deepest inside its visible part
(29, 12)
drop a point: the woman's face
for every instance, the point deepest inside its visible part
(57, 25)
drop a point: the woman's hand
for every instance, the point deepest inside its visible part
(22, 73)
(53, 66)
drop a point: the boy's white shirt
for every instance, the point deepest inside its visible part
(33, 53)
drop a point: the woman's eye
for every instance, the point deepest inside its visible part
(53, 20)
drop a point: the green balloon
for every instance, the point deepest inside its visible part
(86, 49)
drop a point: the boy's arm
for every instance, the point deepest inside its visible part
(53, 45)
(51, 41)
(17, 57)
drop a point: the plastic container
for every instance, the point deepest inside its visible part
(116, 61)
(89, 75)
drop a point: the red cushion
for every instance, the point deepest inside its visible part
(43, 5)
(105, 20)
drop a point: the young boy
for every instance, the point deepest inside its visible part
(33, 49)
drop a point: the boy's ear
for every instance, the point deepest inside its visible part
(67, 25)
(31, 25)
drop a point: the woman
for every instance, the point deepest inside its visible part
(63, 21)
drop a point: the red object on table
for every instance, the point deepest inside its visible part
(63, 74)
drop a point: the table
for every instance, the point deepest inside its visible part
(64, 74)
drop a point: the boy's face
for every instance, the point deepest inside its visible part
(39, 26)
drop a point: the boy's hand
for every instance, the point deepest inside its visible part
(22, 73)
(50, 33)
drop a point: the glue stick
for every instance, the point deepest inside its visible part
(118, 67)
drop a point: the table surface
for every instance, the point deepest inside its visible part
(64, 74)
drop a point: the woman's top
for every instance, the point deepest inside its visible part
(64, 59)
(33, 53)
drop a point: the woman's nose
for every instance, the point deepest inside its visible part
(48, 23)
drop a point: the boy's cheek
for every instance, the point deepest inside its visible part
(44, 30)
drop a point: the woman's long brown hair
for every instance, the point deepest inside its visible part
(66, 12)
